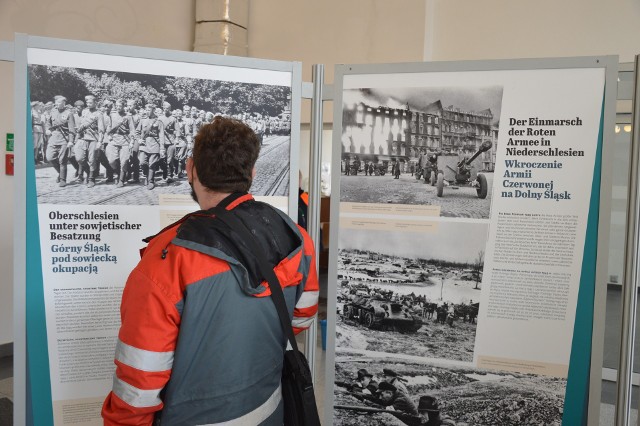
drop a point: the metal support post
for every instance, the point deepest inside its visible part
(19, 232)
(313, 222)
(632, 247)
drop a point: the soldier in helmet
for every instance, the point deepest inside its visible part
(431, 163)
(396, 169)
(365, 384)
(121, 133)
(191, 129)
(78, 106)
(90, 132)
(46, 115)
(60, 127)
(181, 145)
(168, 162)
(37, 127)
(101, 154)
(151, 131)
(399, 400)
(429, 413)
(108, 107)
(134, 161)
(198, 121)
(390, 376)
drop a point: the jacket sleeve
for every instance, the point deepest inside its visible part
(161, 134)
(71, 123)
(144, 353)
(307, 305)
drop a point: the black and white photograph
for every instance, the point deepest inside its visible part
(122, 138)
(421, 146)
(379, 390)
(411, 293)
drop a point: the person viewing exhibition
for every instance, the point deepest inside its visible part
(200, 340)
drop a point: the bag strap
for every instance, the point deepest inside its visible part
(277, 296)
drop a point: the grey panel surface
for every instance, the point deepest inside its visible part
(6, 51)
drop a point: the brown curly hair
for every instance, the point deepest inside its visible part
(224, 154)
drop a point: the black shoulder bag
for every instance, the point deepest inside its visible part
(297, 387)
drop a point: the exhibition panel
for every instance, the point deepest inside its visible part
(469, 244)
(129, 126)
(468, 240)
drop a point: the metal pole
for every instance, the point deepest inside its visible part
(313, 224)
(630, 292)
(19, 232)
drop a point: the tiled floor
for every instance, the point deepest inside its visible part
(6, 391)
(607, 415)
(6, 388)
(6, 367)
(319, 384)
(6, 378)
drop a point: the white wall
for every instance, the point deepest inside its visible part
(496, 29)
(337, 32)
(334, 32)
(167, 24)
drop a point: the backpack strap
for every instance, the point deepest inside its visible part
(277, 296)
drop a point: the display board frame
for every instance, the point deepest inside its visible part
(27, 399)
(609, 64)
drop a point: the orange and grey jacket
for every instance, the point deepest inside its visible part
(200, 341)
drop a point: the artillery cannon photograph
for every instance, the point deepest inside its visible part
(457, 173)
(444, 137)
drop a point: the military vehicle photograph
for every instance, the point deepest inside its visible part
(409, 292)
(421, 146)
(382, 390)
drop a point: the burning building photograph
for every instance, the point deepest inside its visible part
(421, 146)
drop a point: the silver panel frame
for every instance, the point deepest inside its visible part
(17, 52)
(632, 268)
(602, 267)
(19, 55)
(313, 222)
(610, 64)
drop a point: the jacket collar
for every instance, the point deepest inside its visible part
(229, 203)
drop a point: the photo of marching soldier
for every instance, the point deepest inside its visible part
(377, 390)
(410, 293)
(421, 146)
(105, 137)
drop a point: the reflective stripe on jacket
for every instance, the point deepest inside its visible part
(199, 341)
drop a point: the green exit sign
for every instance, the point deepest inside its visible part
(9, 142)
